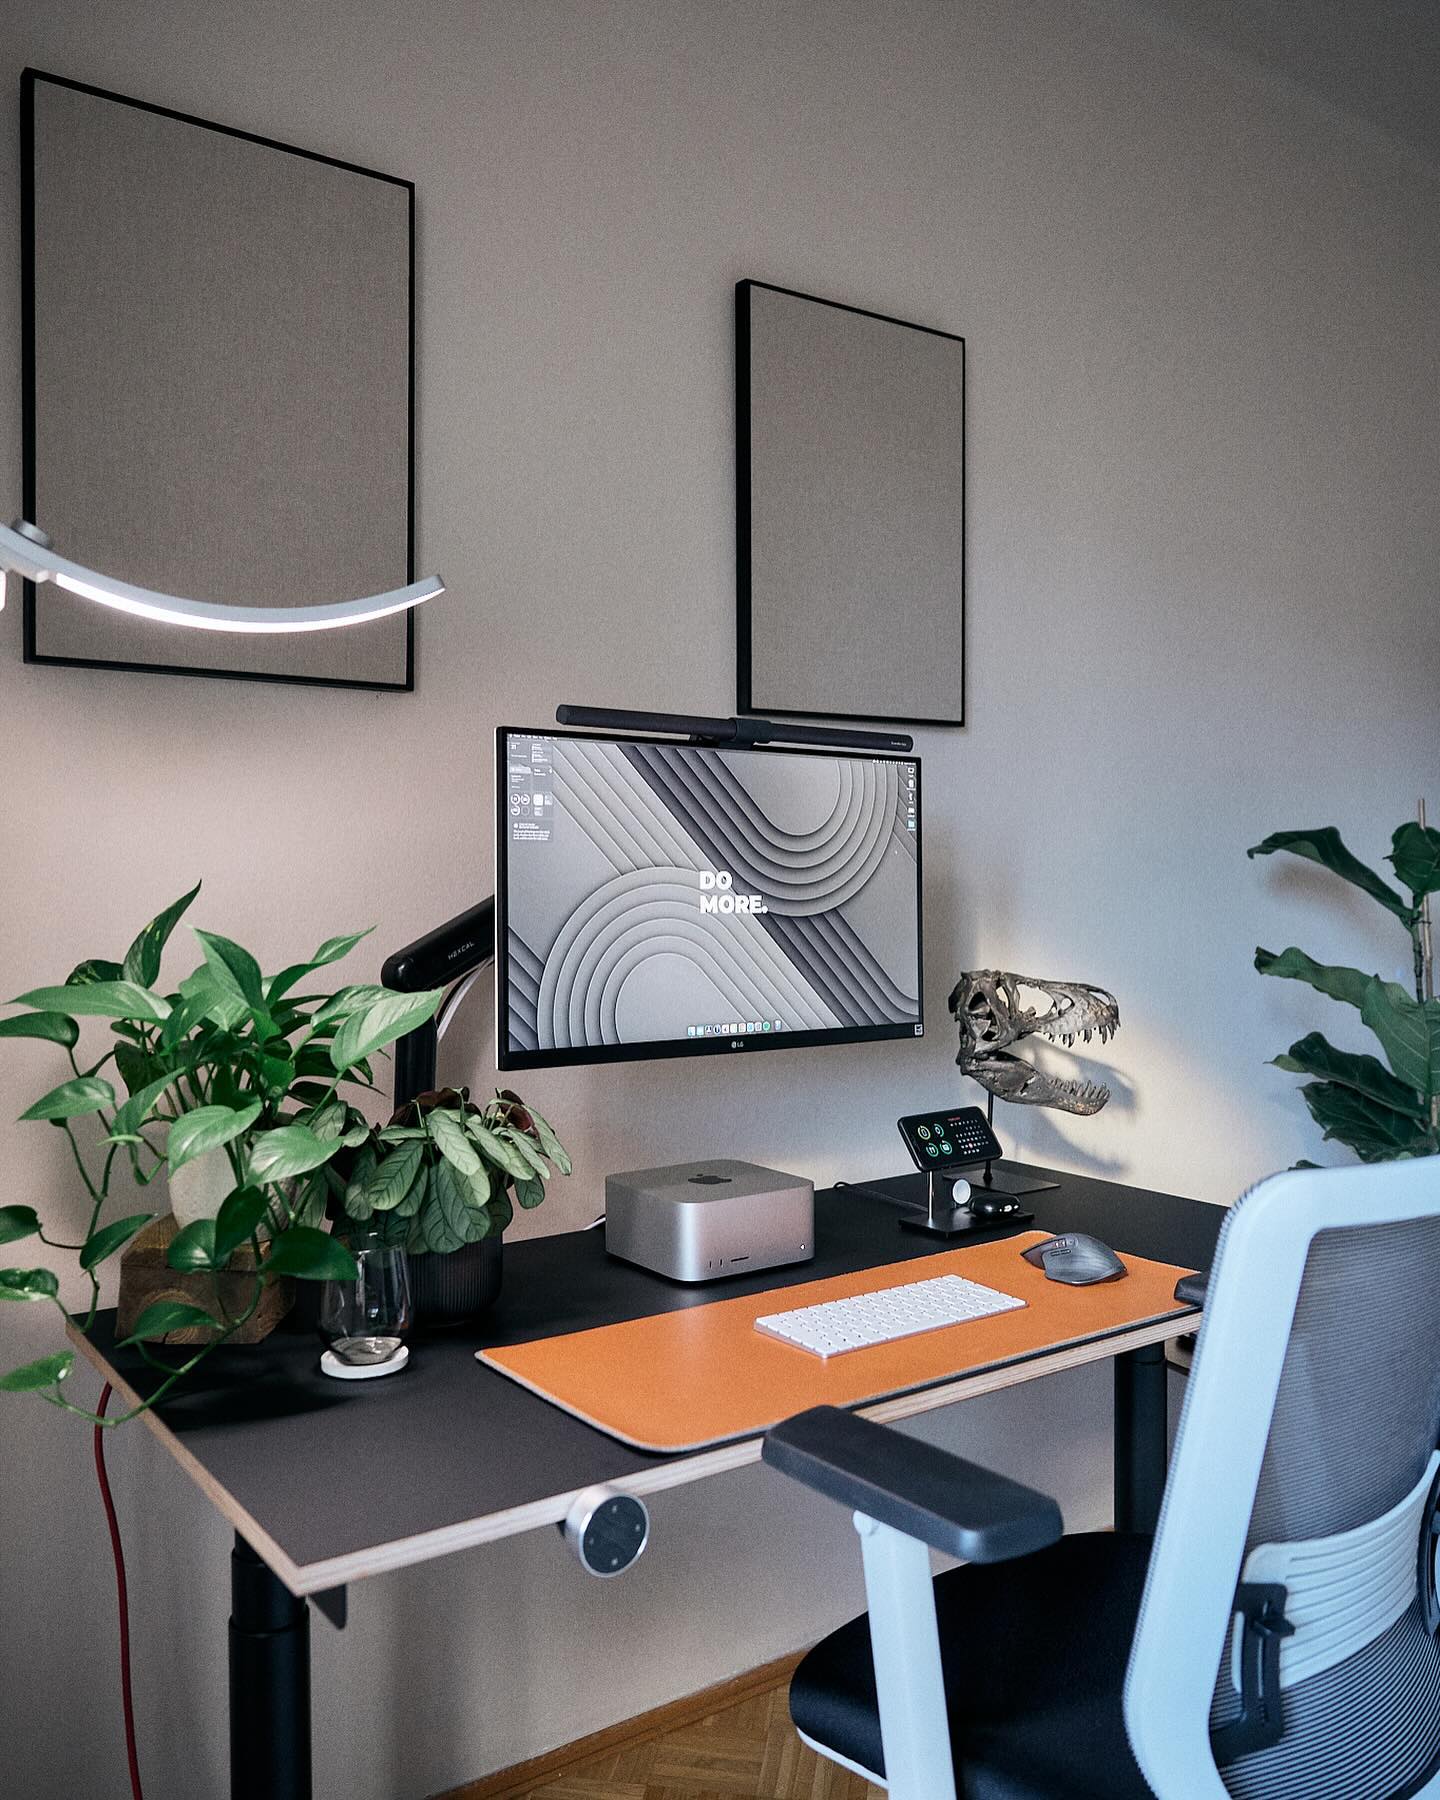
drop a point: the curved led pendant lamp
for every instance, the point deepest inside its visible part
(27, 551)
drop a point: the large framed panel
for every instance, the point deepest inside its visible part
(218, 369)
(850, 512)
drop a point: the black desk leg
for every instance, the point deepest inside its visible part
(269, 1684)
(1140, 1437)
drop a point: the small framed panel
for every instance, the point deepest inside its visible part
(218, 367)
(850, 512)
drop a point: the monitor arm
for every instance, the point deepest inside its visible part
(442, 958)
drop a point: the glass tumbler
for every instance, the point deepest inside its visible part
(364, 1320)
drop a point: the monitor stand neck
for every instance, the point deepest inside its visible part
(944, 1216)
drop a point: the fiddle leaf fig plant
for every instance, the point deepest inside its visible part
(1382, 1110)
(229, 1063)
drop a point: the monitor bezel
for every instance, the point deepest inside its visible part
(660, 1049)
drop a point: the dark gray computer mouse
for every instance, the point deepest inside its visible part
(1076, 1259)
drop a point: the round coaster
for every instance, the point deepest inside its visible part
(330, 1364)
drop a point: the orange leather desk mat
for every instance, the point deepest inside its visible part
(704, 1375)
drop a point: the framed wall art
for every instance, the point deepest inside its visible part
(850, 519)
(218, 385)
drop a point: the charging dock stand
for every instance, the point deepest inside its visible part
(946, 1216)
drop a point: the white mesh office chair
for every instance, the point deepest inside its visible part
(1276, 1641)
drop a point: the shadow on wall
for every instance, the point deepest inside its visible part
(1047, 1134)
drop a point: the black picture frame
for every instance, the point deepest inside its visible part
(30, 79)
(749, 699)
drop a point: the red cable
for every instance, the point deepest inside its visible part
(122, 1597)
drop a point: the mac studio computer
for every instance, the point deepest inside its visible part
(664, 899)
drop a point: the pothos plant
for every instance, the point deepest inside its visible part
(230, 1061)
(440, 1174)
(1382, 1113)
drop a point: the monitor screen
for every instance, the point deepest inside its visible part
(666, 899)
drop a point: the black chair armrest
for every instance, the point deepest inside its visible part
(928, 1493)
(1190, 1289)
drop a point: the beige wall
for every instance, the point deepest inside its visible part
(1204, 449)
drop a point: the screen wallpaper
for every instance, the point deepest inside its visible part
(661, 892)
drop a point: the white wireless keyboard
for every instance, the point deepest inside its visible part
(898, 1312)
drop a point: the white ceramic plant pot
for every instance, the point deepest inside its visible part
(198, 1188)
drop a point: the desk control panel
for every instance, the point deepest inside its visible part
(606, 1529)
(954, 1138)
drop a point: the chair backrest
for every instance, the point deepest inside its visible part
(1286, 1648)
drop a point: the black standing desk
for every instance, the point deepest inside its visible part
(318, 1477)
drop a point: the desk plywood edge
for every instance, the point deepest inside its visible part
(466, 1534)
(259, 1540)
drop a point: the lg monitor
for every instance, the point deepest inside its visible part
(656, 898)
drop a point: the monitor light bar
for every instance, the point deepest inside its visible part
(26, 551)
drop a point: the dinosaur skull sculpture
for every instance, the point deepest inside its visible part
(992, 1016)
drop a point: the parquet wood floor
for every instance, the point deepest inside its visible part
(748, 1751)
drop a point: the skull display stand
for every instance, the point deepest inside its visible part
(990, 1008)
(1006, 1181)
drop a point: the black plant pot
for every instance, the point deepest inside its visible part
(448, 1290)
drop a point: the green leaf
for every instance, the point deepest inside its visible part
(355, 1195)
(503, 1155)
(18, 1222)
(28, 1284)
(1335, 980)
(109, 1238)
(1324, 846)
(133, 1112)
(204, 996)
(550, 1144)
(1375, 1133)
(311, 1092)
(330, 951)
(1415, 854)
(207, 1128)
(277, 1072)
(137, 1070)
(55, 1027)
(393, 1177)
(164, 1316)
(240, 1216)
(418, 1194)
(530, 1193)
(380, 1024)
(93, 969)
(31, 1376)
(193, 1247)
(233, 967)
(1312, 1055)
(1409, 1033)
(329, 1125)
(451, 1141)
(347, 1000)
(310, 1255)
(142, 959)
(449, 1220)
(72, 1099)
(290, 1150)
(100, 1000)
(500, 1212)
(527, 1149)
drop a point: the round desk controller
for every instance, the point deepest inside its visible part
(606, 1529)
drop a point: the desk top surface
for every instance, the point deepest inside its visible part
(331, 1481)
